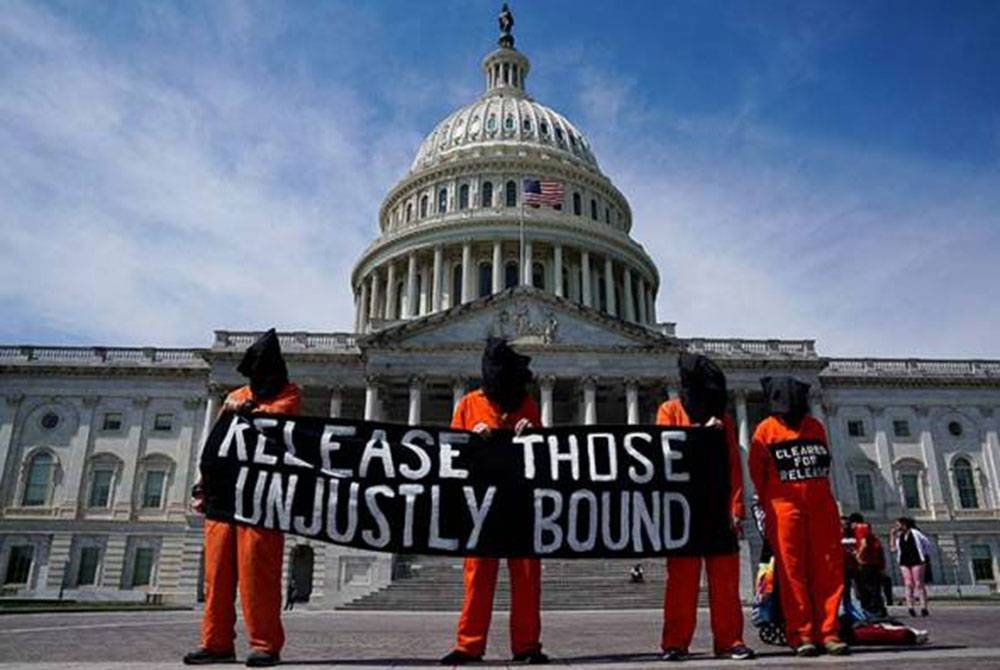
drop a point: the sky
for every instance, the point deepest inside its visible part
(824, 170)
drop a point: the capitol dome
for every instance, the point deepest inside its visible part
(503, 192)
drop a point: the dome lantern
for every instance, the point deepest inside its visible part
(506, 68)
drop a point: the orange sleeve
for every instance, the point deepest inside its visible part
(458, 418)
(289, 401)
(735, 471)
(759, 462)
(663, 414)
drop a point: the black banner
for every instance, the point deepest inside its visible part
(594, 491)
(798, 460)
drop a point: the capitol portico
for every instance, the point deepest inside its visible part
(99, 445)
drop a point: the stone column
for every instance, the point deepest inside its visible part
(363, 307)
(632, 401)
(589, 401)
(336, 402)
(586, 288)
(526, 266)
(411, 287)
(436, 279)
(743, 427)
(371, 398)
(628, 309)
(390, 292)
(497, 266)
(466, 271)
(75, 464)
(884, 456)
(545, 386)
(557, 270)
(651, 305)
(609, 286)
(642, 301)
(373, 312)
(416, 388)
(457, 391)
(8, 459)
(935, 488)
(211, 411)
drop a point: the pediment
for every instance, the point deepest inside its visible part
(526, 317)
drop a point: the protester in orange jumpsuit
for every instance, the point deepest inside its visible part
(703, 403)
(502, 403)
(789, 466)
(253, 554)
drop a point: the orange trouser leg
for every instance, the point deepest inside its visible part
(525, 604)
(260, 553)
(724, 600)
(474, 623)
(826, 568)
(680, 601)
(791, 542)
(218, 623)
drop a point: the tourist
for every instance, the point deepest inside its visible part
(913, 553)
(636, 574)
(503, 403)
(247, 555)
(790, 465)
(703, 403)
(871, 564)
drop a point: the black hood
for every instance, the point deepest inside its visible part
(703, 388)
(787, 397)
(264, 366)
(505, 374)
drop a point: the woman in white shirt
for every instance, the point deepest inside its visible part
(912, 554)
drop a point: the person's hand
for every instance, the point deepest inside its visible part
(522, 426)
(713, 422)
(482, 429)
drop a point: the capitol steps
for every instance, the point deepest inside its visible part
(435, 583)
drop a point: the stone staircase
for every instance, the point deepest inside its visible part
(435, 583)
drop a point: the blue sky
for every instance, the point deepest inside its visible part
(825, 170)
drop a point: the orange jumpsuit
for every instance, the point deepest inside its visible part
(255, 555)
(481, 573)
(680, 600)
(803, 526)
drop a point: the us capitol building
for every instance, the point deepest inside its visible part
(99, 445)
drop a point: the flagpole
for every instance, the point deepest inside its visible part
(520, 280)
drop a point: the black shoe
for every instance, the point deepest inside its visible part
(738, 652)
(674, 654)
(924, 612)
(202, 656)
(806, 650)
(456, 657)
(262, 659)
(912, 612)
(536, 657)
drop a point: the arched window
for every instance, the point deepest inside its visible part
(511, 193)
(965, 483)
(409, 212)
(442, 201)
(463, 196)
(423, 206)
(487, 194)
(577, 205)
(485, 279)
(38, 480)
(456, 285)
(510, 274)
(593, 209)
(538, 275)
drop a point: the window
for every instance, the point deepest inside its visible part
(409, 212)
(152, 489)
(49, 420)
(593, 209)
(538, 275)
(19, 564)
(442, 201)
(90, 558)
(526, 124)
(38, 480)
(142, 568)
(456, 285)
(544, 127)
(485, 279)
(100, 487)
(487, 194)
(423, 206)
(607, 215)
(577, 205)
(510, 272)
(511, 193)
(901, 428)
(559, 135)
(911, 490)
(508, 123)
(163, 422)
(866, 494)
(856, 428)
(965, 483)
(418, 307)
(112, 421)
(982, 562)
(398, 307)
(463, 196)
(955, 428)
(491, 123)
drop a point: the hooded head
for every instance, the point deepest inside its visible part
(786, 397)
(505, 374)
(703, 388)
(264, 366)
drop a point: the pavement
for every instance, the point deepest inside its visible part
(961, 636)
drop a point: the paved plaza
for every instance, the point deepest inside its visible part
(962, 636)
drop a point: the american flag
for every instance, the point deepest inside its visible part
(543, 192)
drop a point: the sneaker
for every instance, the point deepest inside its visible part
(536, 657)
(738, 652)
(458, 657)
(675, 654)
(836, 648)
(202, 656)
(924, 612)
(262, 659)
(806, 650)
(921, 636)
(912, 612)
